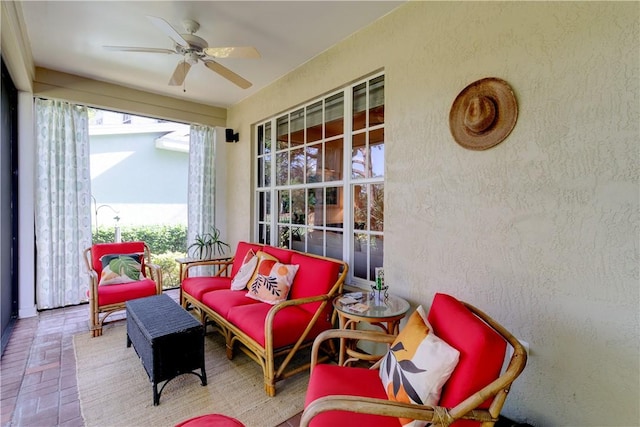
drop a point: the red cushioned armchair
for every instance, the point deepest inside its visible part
(473, 395)
(110, 290)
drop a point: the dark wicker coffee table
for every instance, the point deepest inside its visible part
(168, 340)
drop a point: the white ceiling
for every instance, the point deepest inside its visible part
(69, 36)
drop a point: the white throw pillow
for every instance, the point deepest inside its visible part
(417, 365)
(243, 275)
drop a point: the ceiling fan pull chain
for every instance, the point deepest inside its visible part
(184, 82)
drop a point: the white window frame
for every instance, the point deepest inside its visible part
(346, 183)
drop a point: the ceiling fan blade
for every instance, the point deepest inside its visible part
(138, 49)
(166, 28)
(232, 52)
(227, 74)
(179, 73)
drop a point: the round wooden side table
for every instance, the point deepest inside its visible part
(385, 313)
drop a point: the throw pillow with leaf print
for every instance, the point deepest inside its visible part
(272, 282)
(121, 268)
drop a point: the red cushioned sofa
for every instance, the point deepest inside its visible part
(473, 395)
(266, 332)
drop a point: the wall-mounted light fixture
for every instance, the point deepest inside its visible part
(231, 137)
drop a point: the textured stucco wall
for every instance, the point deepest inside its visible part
(541, 231)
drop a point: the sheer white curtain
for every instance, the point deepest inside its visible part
(201, 192)
(62, 208)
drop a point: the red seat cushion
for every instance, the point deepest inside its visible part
(221, 301)
(328, 380)
(289, 323)
(211, 420)
(113, 294)
(198, 286)
(482, 351)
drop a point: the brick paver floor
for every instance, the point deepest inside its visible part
(38, 370)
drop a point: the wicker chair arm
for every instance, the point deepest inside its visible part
(268, 324)
(352, 334)
(93, 276)
(437, 415)
(223, 266)
(93, 282)
(156, 275)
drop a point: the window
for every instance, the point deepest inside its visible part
(320, 178)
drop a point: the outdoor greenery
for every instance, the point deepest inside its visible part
(160, 238)
(167, 242)
(170, 268)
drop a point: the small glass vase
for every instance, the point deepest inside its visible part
(379, 294)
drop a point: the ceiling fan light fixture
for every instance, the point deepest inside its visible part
(191, 58)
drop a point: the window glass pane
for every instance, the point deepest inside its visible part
(333, 243)
(376, 210)
(376, 152)
(284, 237)
(282, 168)
(359, 106)
(267, 205)
(261, 233)
(298, 239)
(376, 101)
(260, 139)
(284, 206)
(298, 206)
(317, 195)
(311, 205)
(297, 127)
(334, 115)
(260, 172)
(315, 241)
(297, 165)
(333, 160)
(267, 170)
(360, 258)
(267, 137)
(314, 122)
(376, 248)
(261, 207)
(283, 133)
(358, 151)
(360, 207)
(333, 207)
(314, 163)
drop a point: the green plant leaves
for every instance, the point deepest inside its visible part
(206, 245)
(126, 266)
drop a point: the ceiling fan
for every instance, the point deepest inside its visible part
(194, 48)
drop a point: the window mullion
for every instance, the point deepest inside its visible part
(347, 242)
(273, 200)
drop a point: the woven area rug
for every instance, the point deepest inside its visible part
(115, 390)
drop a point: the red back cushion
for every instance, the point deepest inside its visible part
(283, 255)
(482, 350)
(241, 252)
(100, 249)
(315, 276)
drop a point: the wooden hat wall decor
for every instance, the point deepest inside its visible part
(483, 114)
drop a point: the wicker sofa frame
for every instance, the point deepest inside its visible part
(275, 362)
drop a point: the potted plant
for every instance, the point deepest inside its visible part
(207, 245)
